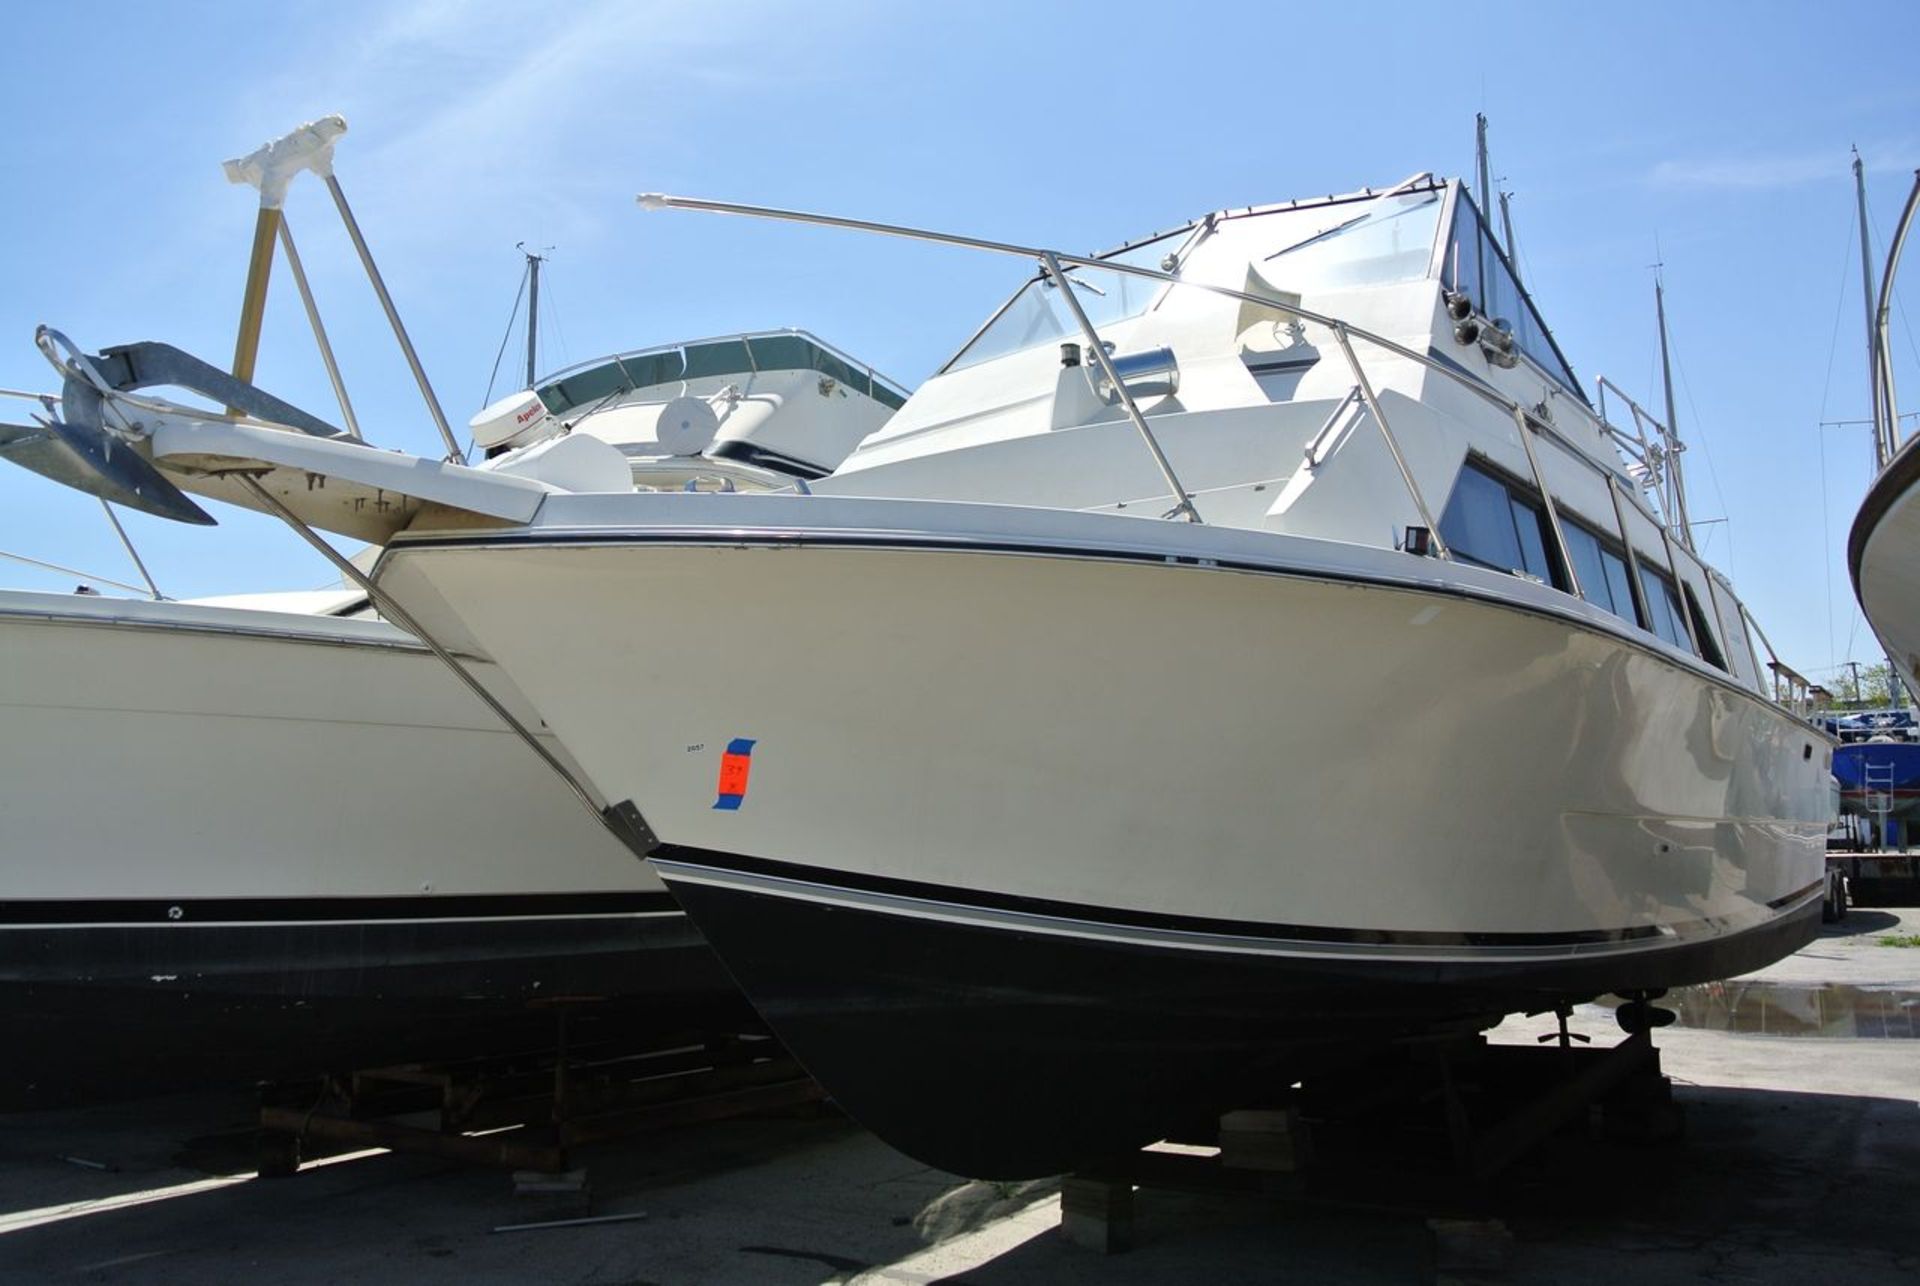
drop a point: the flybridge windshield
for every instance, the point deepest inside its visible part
(1389, 240)
(1322, 247)
(1038, 314)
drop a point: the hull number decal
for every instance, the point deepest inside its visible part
(734, 766)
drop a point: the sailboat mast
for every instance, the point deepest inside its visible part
(1480, 160)
(1866, 297)
(1506, 229)
(1887, 429)
(1678, 482)
(533, 312)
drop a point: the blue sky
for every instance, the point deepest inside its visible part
(1718, 133)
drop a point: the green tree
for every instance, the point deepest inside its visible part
(1875, 686)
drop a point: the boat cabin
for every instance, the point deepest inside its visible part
(1363, 368)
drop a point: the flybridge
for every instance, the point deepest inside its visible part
(1420, 228)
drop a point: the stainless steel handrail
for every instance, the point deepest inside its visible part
(661, 201)
(1635, 590)
(69, 571)
(1651, 456)
(319, 330)
(1524, 425)
(1474, 385)
(1327, 426)
(1393, 444)
(454, 453)
(1183, 501)
(127, 543)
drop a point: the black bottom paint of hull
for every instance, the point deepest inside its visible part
(1001, 1054)
(94, 1012)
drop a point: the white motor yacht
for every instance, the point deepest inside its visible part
(1252, 643)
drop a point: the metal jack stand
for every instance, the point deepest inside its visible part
(1420, 1128)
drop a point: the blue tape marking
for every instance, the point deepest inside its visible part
(729, 802)
(740, 746)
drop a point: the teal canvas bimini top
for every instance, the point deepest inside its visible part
(779, 350)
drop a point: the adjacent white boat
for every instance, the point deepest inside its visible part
(1883, 554)
(239, 843)
(272, 835)
(1038, 827)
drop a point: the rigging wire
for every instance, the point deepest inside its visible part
(525, 273)
(1826, 539)
(1826, 391)
(559, 327)
(1699, 429)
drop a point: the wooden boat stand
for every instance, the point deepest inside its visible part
(528, 1110)
(1423, 1130)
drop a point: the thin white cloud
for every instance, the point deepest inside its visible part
(1781, 170)
(466, 109)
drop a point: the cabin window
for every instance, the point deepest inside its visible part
(1709, 648)
(1497, 524)
(1604, 581)
(1663, 605)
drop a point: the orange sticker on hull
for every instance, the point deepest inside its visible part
(735, 766)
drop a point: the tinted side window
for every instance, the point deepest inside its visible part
(1478, 523)
(1493, 523)
(1663, 604)
(1621, 587)
(1709, 649)
(1474, 264)
(1603, 573)
(1529, 523)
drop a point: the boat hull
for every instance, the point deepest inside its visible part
(1883, 553)
(130, 1010)
(1340, 789)
(1879, 778)
(1007, 1052)
(237, 844)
